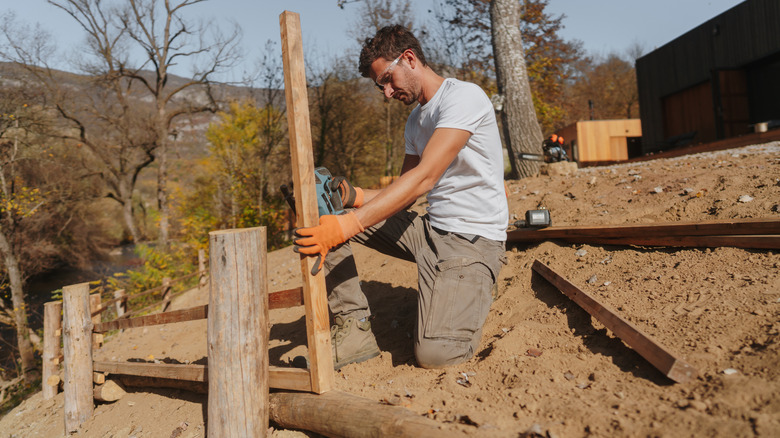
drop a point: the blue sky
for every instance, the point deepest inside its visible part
(603, 26)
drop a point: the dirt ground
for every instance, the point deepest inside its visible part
(545, 367)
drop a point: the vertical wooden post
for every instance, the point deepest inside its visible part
(77, 346)
(314, 291)
(238, 334)
(52, 328)
(121, 305)
(166, 284)
(95, 306)
(201, 267)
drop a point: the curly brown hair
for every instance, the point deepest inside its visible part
(388, 43)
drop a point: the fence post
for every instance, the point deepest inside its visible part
(201, 267)
(77, 346)
(238, 333)
(52, 329)
(166, 284)
(95, 306)
(121, 305)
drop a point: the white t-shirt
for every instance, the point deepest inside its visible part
(469, 197)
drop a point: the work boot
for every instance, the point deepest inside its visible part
(352, 341)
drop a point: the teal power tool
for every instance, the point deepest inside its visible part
(328, 199)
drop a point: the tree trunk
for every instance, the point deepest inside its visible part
(162, 177)
(522, 133)
(29, 367)
(126, 199)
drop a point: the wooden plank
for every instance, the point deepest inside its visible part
(77, 348)
(294, 379)
(666, 362)
(194, 313)
(750, 242)
(238, 333)
(52, 323)
(196, 373)
(314, 291)
(285, 298)
(340, 414)
(722, 228)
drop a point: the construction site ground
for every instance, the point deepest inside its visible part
(544, 367)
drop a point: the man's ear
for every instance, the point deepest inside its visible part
(411, 58)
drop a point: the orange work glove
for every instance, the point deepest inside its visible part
(332, 231)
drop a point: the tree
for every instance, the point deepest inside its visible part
(130, 117)
(42, 208)
(608, 85)
(521, 129)
(470, 37)
(167, 38)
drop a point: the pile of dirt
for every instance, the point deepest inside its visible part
(545, 367)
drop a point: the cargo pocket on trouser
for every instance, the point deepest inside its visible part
(460, 300)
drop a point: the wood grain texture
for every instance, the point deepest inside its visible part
(314, 291)
(714, 228)
(340, 414)
(77, 348)
(655, 353)
(238, 333)
(52, 324)
(748, 242)
(194, 313)
(194, 373)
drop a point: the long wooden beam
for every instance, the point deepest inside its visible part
(307, 215)
(750, 242)
(294, 379)
(194, 313)
(715, 228)
(337, 413)
(666, 362)
(276, 300)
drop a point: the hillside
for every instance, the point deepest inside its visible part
(717, 308)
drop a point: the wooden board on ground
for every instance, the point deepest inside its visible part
(294, 379)
(666, 362)
(764, 226)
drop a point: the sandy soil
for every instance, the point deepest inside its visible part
(545, 367)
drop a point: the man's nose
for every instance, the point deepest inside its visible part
(388, 90)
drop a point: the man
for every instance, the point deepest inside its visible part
(453, 151)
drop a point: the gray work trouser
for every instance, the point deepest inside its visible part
(457, 273)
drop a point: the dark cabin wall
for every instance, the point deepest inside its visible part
(736, 41)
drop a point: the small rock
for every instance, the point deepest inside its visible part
(593, 279)
(688, 190)
(592, 181)
(698, 405)
(607, 283)
(682, 404)
(581, 253)
(730, 371)
(759, 312)
(568, 375)
(658, 190)
(745, 198)
(533, 352)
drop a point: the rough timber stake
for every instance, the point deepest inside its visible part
(314, 292)
(77, 346)
(238, 334)
(52, 325)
